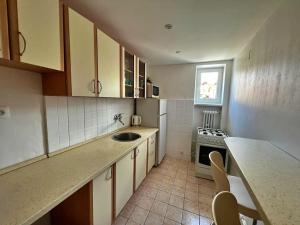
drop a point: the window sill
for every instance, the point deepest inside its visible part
(207, 104)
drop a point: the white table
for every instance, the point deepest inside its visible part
(272, 178)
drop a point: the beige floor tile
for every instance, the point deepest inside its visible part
(180, 183)
(120, 220)
(150, 192)
(163, 196)
(191, 206)
(139, 215)
(145, 202)
(205, 221)
(192, 179)
(191, 187)
(159, 208)
(176, 201)
(170, 222)
(174, 213)
(154, 219)
(205, 199)
(127, 210)
(190, 218)
(205, 210)
(206, 190)
(130, 222)
(190, 195)
(178, 191)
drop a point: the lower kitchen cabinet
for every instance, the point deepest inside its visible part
(124, 181)
(151, 151)
(141, 164)
(102, 198)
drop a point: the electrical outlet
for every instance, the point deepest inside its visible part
(4, 112)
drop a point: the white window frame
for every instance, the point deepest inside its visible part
(220, 68)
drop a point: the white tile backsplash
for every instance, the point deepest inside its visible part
(71, 120)
(57, 123)
(76, 120)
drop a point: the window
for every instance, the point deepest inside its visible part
(209, 85)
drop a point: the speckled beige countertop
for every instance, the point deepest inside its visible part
(28, 193)
(271, 176)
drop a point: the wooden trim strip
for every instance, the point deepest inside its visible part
(4, 29)
(13, 30)
(134, 170)
(122, 74)
(67, 49)
(147, 156)
(113, 194)
(61, 32)
(96, 62)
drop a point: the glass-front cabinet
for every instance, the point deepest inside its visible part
(128, 74)
(141, 79)
(133, 74)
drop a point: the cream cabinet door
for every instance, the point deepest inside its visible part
(151, 151)
(108, 65)
(124, 181)
(102, 198)
(39, 27)
(141, 163)
(82, 55)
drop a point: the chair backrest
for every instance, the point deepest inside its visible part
(218, 171)
(225, 209)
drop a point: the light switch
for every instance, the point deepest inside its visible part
(4, 112)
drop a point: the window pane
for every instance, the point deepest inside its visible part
(209, 85)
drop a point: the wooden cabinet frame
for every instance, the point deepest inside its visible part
(4, 29)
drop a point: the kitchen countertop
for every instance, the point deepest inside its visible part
(271, 176)
(28, 193)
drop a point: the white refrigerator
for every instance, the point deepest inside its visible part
(154, 114)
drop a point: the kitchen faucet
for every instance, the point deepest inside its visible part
(119, 118)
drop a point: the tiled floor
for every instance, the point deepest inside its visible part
(170, 195)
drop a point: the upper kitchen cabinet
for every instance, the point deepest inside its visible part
(80, 76)
(141, 79)
(36, 35)
(128, 74)
(81, 54)
(4, 39)
(108, 66)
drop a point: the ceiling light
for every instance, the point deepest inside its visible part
(168, 26)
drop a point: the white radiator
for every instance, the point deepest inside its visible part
(209, 118)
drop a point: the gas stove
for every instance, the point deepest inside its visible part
(211, 136)
(211, 132)
(209, 140)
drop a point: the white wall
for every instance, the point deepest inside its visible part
(71, 120)
(265, 91)
(21, 135)
(177, 83)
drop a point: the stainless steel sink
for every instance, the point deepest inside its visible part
(126, 136)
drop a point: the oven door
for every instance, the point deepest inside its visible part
(202, 156)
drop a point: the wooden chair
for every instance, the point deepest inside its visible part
(233, 184)
(225, 209)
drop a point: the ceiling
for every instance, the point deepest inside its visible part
(203, 30)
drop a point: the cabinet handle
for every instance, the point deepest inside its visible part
(137, 151)
(24, 42)
(108, 174)
(92, 86)
(100, 87)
